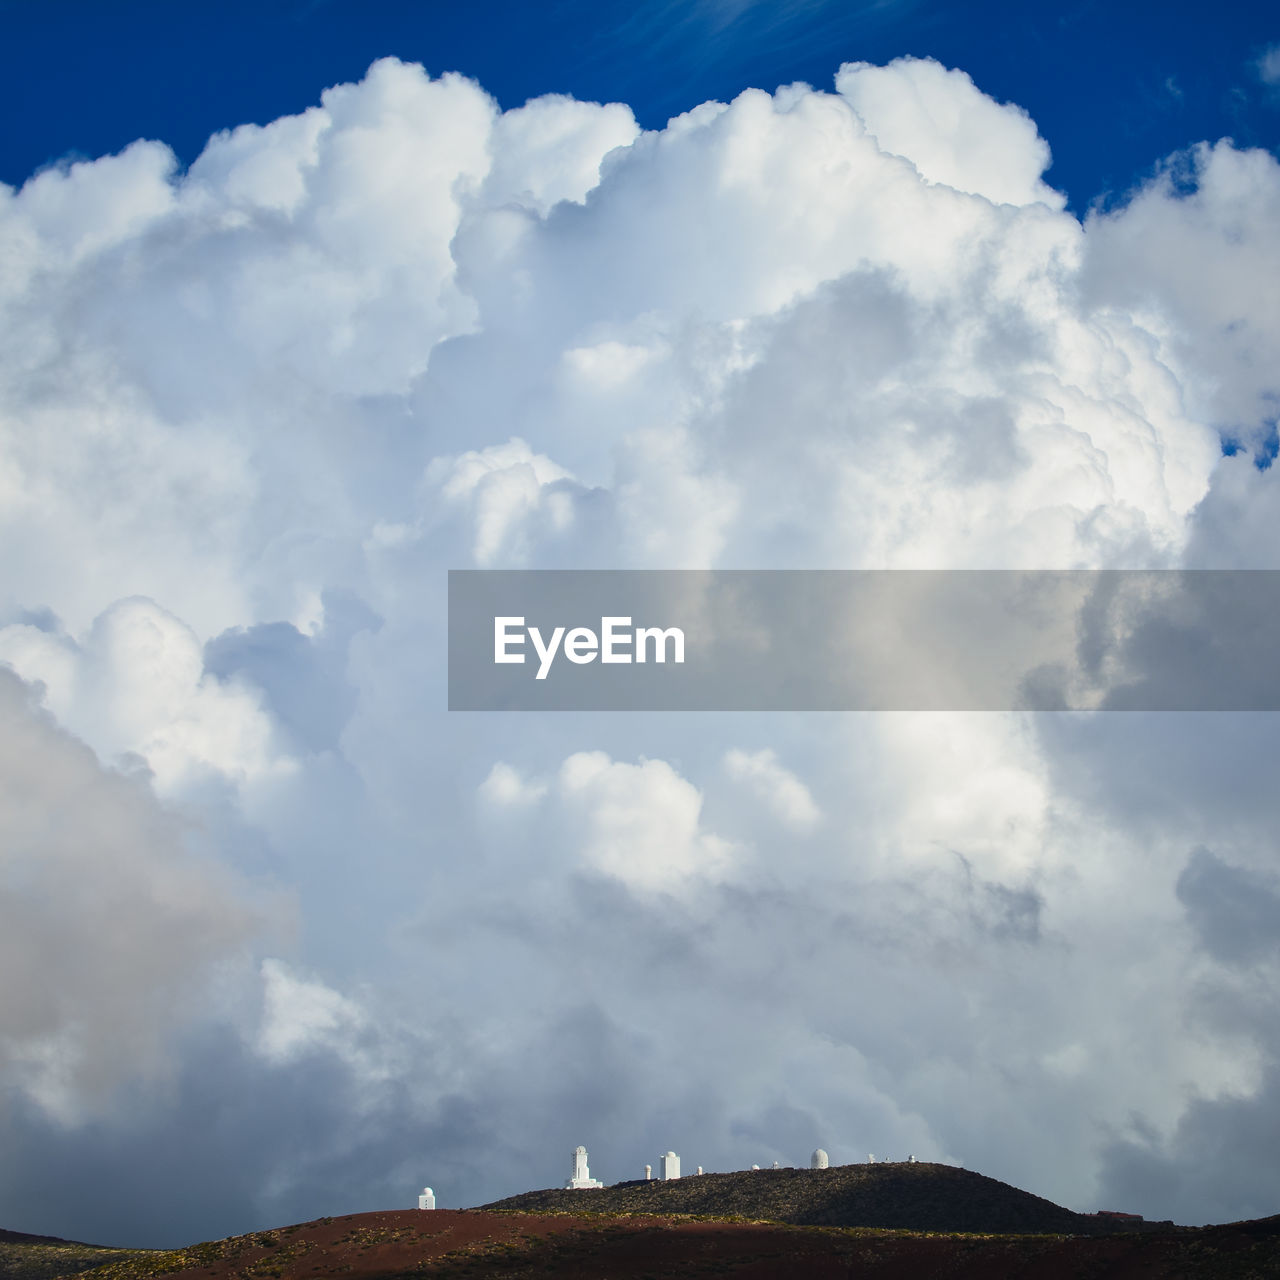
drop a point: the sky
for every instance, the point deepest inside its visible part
(304, 305)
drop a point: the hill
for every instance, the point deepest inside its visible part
(26, 1257)
(409, 1244)
(911, 1197)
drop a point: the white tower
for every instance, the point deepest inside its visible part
(670, 1167)
(819, 1160)
(582, 1178)
(427, 1200)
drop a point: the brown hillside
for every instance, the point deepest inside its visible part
(451, 1244)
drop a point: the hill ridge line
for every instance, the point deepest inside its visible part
(913, 1196)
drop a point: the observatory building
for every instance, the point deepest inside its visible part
(819, 1160)
(581, 1178)
(670, 1167)
(427, 1200)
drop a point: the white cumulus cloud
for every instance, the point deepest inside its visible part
(252, 412)
(950, 130)
(640, 823)
(782, 792)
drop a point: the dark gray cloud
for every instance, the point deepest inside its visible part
(1219, 1165)
(1234, 911)
(1219, 1162)
(230, 1144)
(110, 925)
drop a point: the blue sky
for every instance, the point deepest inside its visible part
(1114, 87)
(273, 904)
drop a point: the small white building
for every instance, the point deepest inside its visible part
(670, 1167)
(581, 1179)
(427, 1200)
(819, 1160)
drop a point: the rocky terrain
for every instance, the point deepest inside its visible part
(912, 1197)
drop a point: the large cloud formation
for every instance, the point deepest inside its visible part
(250, 413)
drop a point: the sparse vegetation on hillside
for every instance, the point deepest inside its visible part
(452, 1244)
(26, 1257)
(740, 1232)
(915, 1197)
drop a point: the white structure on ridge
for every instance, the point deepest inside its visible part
(819, 1160)
(582, 1178)
(427, 1200)
(670, 1167)
(648, 1173)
